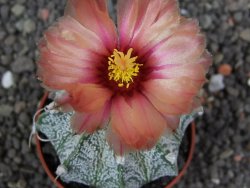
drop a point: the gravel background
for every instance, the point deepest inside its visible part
(222, 156)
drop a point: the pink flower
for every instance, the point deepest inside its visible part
(137, 79)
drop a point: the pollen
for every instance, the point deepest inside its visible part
(123, 68)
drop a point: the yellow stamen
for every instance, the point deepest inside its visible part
(122, 68)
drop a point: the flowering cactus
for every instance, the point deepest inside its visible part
(123, 88)
(137, 78)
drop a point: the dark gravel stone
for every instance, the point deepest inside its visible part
(24, 147)
(3, 1)
(29, 26)
(232, 91)
(206, 21)
(238, 16)
(222, 133)
(19, 106)
(6, 110)
(2, 34)
(5, 59)
(5, 171)
(10, 40)
(4, 12)
(24, 118)
(22, 64)
(245, 35)
(11, 153)
(16, 143)
(18, 10)
(17, 160)
(21, 1)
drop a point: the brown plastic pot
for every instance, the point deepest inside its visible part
(170, 185)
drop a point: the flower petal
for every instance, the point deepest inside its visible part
(58, 44)
(88, 98)
(59, 77)
(116, 143)
(89, 122)
(172, 96)
(173, 121)
(206, 60)
(93, 14)
(167, 21)
(53, 81)
(136, 122)
(85, 38)
(143, 21)
(194, 71)
(180, 48)
(69, 54)
(132, 14)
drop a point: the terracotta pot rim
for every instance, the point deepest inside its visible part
(170, 185)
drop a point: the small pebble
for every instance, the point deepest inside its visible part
(25, 147)
(5, 60)
(29, 26)
(238, 16)
(4, 12)
(7, 80)
(18, 10)
(226, 154)
(17, 160)
(6, 110)
(216, 181)
(216, 83)
(233, 91)
(245, 35)
(238, 158)
(2, 34)
(10, 40)
(22, 64)
(206, 21)
(19, 106)
(44, 14)
(184, 12)
(21, 183)
(218, 58)
(24, 118)
(225, 69)
(11, 153)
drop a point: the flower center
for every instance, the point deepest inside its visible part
(123, 68)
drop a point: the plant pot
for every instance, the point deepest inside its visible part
(47, 162)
